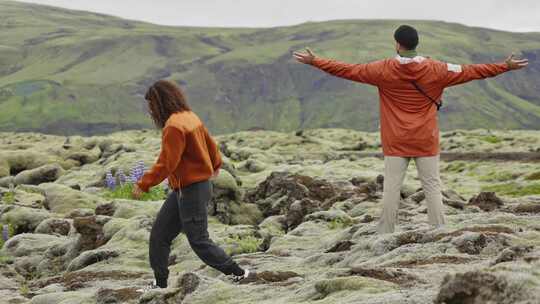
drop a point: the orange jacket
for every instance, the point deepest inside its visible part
(188, 153)
(409, 126)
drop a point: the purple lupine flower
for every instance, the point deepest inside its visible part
(133, 176)
(121, 177)
(140, 169)
(5, 233)
(110, 181)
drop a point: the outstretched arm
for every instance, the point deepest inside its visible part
(458, 74)
(365, 73)
(172, 148)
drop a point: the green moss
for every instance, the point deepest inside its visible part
(8, 198)
(5, 259)
(366, 285)
(498, 176)
(533, 176)
(492, 139)
(458, 166)
(338, 223)
(514, 189)
(24, 290)
(124, 192)
(245, 214)
(242, 244)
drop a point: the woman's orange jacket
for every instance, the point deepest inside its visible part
(188, 154)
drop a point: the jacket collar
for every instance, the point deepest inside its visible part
(407, 60)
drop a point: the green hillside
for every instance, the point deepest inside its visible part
(67, 72)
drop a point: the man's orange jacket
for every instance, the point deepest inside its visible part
(409, 126)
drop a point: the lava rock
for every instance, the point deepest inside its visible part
(487, 201)
(512, 254)
(470, 242)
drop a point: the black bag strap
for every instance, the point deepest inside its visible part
(438, 104)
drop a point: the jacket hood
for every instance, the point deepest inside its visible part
(411, 69)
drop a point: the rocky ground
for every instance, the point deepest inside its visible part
(300, 208)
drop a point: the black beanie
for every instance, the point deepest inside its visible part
(407, 36)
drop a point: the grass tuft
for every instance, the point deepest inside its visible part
(514, 189)
(124, 192)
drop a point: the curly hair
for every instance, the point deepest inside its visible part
(165, 98)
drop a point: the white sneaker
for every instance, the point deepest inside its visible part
(148, 288)
(248, 277)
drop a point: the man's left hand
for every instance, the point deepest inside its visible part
(516, 64)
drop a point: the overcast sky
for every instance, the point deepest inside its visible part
(517, 15)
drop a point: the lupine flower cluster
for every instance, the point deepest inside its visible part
(136, 173)
(122, 179)
(5, 233)
(110, 180)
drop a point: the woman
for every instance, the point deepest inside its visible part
(189, 158)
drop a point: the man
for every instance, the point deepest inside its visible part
(410, 90)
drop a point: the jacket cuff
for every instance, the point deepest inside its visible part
(142, 186)
(218, 166)
(505, 66)
(317, 61)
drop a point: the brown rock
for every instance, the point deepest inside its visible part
(299, 209)
(487, 201)
(188, 283)
(275, 276)
(54, 226)
(397, 276)
(529, 207)
(106, 209)
(91, 232)
(470, 242)
(341, 246)
(512, 254)
(455, 204)
(474, 287)
(122, 295)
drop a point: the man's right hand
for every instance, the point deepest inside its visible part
(516, 64)
(306, 58)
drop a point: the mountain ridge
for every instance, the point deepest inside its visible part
(73, 72)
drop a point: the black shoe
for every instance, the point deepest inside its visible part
(148, 288)
(248, 277)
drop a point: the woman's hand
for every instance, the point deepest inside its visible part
(137, 192)
(216, 174)
(306, 58)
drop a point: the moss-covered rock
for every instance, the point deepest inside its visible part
(23, 219)
(43, 174)
(54, 226)
(354, 283)
(28, 244)
(62, 199)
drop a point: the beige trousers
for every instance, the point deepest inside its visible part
(394, 174)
